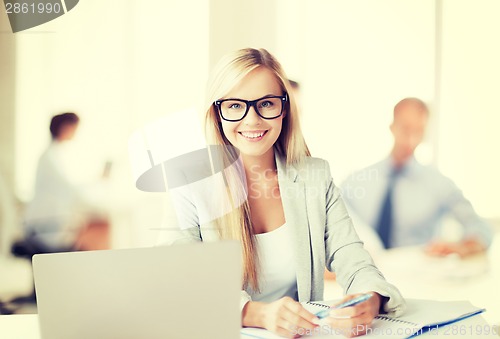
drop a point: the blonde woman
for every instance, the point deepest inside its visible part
(293, 222)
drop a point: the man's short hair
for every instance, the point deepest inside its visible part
(60, 120)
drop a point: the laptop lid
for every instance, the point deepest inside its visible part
(182, 291)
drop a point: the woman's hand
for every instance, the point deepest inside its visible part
(354, 320)
(285, 317)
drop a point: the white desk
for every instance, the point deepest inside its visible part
(22, 326)
(25, 326)
(423, 277)
(16, 277)
(419, 276)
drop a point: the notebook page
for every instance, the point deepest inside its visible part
(432, 312)
(381, 327)
(323, 330)
(419, 314)
(313, 307)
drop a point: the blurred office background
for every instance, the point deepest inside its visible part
(122, 65)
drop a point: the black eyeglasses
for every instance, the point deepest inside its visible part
(268, 107)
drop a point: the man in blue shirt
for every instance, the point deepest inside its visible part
(405, 202)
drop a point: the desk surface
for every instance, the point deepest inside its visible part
(419, 276)
(25, 326)
(451, 278)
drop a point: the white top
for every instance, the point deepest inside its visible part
(54, 214)
(277, 274)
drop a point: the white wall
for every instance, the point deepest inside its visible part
(8, 218)
(235, 24)
(469, 141)
(361, 58)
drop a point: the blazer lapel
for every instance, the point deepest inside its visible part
(293, 198)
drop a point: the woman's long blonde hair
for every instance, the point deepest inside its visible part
(290, 145)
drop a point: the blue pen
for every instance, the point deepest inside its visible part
(352, 302)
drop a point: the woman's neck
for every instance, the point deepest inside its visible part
(260, 167)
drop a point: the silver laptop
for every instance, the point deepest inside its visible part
(182, 291)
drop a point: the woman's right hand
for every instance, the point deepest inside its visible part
(285, 317)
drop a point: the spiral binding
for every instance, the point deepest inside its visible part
(394, 320)
(316, 304)
(381, 317)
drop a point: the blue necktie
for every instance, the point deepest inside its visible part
(385, 221)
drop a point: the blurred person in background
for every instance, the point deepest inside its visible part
(405, 202)
(62, 216)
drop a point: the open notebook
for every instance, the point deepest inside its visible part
(421, 316)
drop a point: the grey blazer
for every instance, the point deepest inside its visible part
(323, 235)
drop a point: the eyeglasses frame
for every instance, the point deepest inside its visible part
(252, 103)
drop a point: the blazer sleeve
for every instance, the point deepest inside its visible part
(346, 256)
(188, 227)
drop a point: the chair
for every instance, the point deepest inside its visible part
(16, 275)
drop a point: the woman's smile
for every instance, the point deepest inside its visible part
(253, 136)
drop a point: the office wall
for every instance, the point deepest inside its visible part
(7, 101)
(470, 110)
(362, 57)
(8, 210)
(240, 24)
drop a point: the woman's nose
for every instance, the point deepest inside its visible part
(252, 117)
